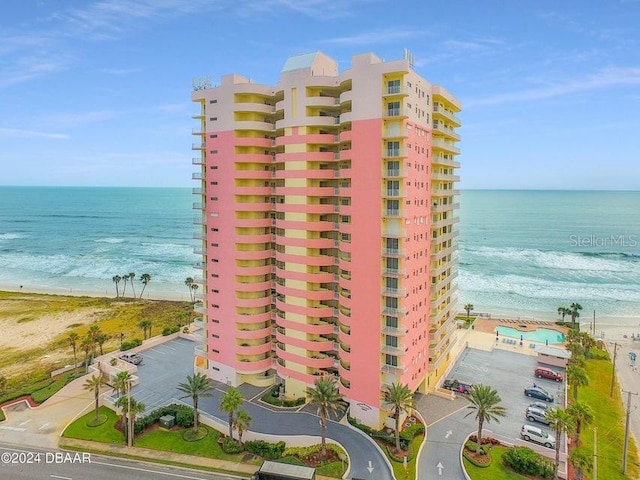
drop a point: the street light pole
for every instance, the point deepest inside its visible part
(626, 434)
(613, 371)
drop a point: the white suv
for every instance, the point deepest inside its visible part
(537, 435)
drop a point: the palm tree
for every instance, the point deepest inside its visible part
(93, 384)
(73, 342)
(145, 278)
(574, 312)
(577, 377)
(130, 409)
(468, 308)
(581, 461)
(124, 288)
(93, 333)
(189, 282)
(194, 287)
(101, 338)
(116, 279)
(196, 386)
(560, 421)
(327, 399)
(582, 415)
(121, 382)
(144, 325)
(563, 311)
(485, 401)
(399, 398)
(87, 347)
(132, 275)
(243, 420)
(229, 403)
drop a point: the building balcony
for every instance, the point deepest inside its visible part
(394, 173)
(441, 207)
(395, 331)
(253, 319)
(393, 370)
(393, 193)
(437, 255)
(394, 292)
(395, 112)
(197, 176)
(440, 129)
(394, 312)
(441, 112)
(253, 107)
(394, 152)
(197, 161)
(392, 252)
(198, 146)
(198, 205)
(445, 237)
(391, 212)
(445, 177)
(253, 302)
(447, 145)
(395, 90)
(437, 358)
(200, 351)
(197, 191)
(444, 281)
(254, 125)
(440, 159)
(395, 272)
(199, 236)
(246, 349)
(391, 350)
(254, 366)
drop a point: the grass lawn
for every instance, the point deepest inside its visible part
(398, 467)
(495, 471)
(105, 433)
(172, 441)
(334, 469)
(609, 417)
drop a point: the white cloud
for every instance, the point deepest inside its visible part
(375, 37)
(20, 133)
(608, 77)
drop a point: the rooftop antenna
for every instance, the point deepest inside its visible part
(410, 57)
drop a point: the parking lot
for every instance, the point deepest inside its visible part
(162, 368)
(509, 373)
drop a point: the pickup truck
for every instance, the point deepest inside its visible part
(131, 358)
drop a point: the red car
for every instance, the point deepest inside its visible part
(544, 372)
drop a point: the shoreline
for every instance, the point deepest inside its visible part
(72, 292)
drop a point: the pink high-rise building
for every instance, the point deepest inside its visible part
(328, 230)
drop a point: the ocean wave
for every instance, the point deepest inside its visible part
(109, 240)
(179, 250)
(553, 259)
(11, 236)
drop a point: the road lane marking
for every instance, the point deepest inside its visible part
(44, 426)
(25, 422)
(62, 478)
(159, 472)
(13, 429)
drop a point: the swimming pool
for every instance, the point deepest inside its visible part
(537, 335)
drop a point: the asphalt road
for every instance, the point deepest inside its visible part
(509, 373)
(168, 364)
(39, 464)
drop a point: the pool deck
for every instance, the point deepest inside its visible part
(488, 324)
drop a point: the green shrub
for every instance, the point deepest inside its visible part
(136, 342)
(26, 390)
(183, 414)
(302, 452)
(231, 446)
(525, 460)
(166, 331)
(410, 432)
(269, 451)
(43, 394)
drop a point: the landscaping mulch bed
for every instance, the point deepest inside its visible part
(316, 459)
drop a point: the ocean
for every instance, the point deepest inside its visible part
(522, 253)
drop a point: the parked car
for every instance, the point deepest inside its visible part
(539, 393)
(540, 406)
(544, 372)
(456, 386)
(131, 358)
(536, 415)
(537, 435)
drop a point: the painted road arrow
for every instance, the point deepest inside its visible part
(370, 468)
(440, 467)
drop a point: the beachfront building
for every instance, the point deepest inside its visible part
(326, 214)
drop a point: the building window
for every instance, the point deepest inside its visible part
(213, 101)
(213, 135)
(213, 119)
(391, 360)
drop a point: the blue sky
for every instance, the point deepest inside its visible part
(98, 92)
